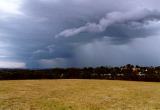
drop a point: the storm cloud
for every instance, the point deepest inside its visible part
(111, 19)
(78, 33)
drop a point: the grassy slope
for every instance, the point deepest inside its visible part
(79, 95)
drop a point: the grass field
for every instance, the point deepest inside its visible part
(79, 95)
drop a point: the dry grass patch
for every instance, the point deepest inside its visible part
(79, 95)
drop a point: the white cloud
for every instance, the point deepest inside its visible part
(12, 64)
(10, 6)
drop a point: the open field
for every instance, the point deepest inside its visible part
(79, 95)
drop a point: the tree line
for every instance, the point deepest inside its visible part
(127, 72)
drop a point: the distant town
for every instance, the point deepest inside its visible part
(127, 72)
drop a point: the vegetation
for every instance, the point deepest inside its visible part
(128, 72)
(79, 95)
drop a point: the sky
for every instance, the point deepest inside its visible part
(78, 33)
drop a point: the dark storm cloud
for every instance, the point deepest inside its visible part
(111, 19)
(50, 33)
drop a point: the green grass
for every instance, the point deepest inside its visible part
(79, 95)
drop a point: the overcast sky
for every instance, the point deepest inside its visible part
(78, 33)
